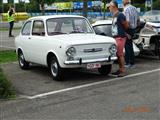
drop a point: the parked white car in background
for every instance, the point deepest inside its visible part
(149, 37)
(103, 27)
(152, 15)
(64, 41)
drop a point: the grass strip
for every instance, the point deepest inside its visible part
(6, 89)
(8, 56)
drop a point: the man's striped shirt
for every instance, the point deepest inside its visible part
(132, 16)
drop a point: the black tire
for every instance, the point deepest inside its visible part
(55, 69)
(157, 48)
(22, 62)
(105, 69)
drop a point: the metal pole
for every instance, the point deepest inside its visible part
(14, 6)
(25, 6)
(151, 5)
(2, 7)
(2, 11)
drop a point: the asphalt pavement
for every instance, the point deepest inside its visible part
(134, 97)
(7, 43)
(38, 80)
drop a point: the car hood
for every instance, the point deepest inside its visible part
(151, 18)
(76, 39)
(153, 24)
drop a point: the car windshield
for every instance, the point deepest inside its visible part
(68, 25)
(152, 12)
(152, 16)
(103, 30)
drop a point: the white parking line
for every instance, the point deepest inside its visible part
(7, 47)
(7, 40)
(88, 85)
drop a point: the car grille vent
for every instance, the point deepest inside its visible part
(93, 50)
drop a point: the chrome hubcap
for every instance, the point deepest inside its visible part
(21, 60)
(54, 69)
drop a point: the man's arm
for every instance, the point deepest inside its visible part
(124, 22)
(125, 25)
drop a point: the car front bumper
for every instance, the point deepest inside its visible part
(81, 61)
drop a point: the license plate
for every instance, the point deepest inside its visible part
(93, 65)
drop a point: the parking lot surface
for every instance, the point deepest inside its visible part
(134, 97)
(38, 80)
(7, 42)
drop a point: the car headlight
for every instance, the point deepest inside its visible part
(113, 49)
(71, 52)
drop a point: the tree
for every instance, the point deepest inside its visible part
(104, 7)
(42, 3)
(85, 8)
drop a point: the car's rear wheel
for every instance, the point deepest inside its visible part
(56, 70)
(105, 69)
(22, 62)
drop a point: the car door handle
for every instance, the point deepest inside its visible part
(29, 38)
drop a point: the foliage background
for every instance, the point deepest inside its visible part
(33, 6)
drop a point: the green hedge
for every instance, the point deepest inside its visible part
(6, 89)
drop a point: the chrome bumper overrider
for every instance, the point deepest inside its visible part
(81, 61)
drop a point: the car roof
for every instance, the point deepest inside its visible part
(54, 16)
(102, 22)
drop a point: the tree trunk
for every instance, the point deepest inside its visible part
(42, 7)
(104, 8)
(85, 8)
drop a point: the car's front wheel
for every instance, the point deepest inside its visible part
(105, 69)
(22, 62)
(56, 70)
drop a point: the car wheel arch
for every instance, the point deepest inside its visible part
(19, 50)
(49, 56)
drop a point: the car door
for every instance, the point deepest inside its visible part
(24, 38)
(37, 42)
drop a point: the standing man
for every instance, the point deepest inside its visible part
(132, 17)
(119, 26)
(11, 19)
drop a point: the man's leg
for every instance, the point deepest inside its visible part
(132, 62)
(12, 23)
(121, 61)
(127, 52)
(131, 53)
(121, 64)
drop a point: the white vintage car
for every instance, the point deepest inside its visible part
(64, 41)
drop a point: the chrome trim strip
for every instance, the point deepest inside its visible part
(81, 61)
(93, 50)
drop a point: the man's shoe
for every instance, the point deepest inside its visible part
(127, 66)
(116, 73)
(132, 66)
(11, 35)
(121, 74)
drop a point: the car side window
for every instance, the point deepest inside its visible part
(38, 28)
(27, 28)
(103, 30)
